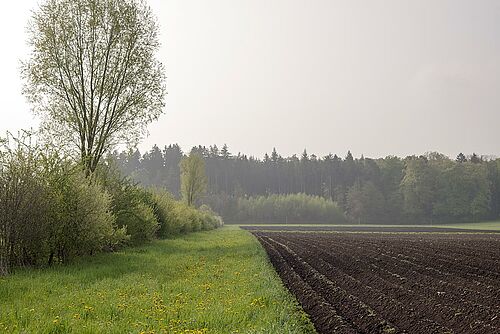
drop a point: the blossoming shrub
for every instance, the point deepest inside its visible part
(176, 217)
(147, 213)
(50, 211)
(82, 219)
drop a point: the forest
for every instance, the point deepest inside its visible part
(429, 188)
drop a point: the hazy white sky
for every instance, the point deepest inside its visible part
(376, 77)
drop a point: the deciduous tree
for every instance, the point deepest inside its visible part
(93, 75)
(193, 178)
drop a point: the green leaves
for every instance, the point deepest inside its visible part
(93, 76)
(193, 178)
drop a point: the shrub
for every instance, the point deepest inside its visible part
(130, 205)
(24, 206)
(83, 222)
(292, 208)
(163, 204)
(175, 217)
(210, 219)
(52, 211)
(140, 221)
(49, 211)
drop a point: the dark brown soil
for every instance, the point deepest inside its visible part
(391, 283)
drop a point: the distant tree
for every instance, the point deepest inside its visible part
(224, 152)
(134, 160)
(418, 187)
(475, 159)
(354, 204)
(93, 75)
(214, 151)
(274, 155)
(172, 156)
(391, 174)
(365, 203)
(328, 157)
(152, 167)
(461, 158)
(193, 178)
(349, 157)
(304, 157)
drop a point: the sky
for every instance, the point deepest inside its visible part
(393, 77)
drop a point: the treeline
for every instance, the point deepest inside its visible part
(52, 209)
(415, 189)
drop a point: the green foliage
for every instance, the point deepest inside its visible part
(438, 189)
(193, 178)
(140, 221)
(24, 206)
(292, 208)
(49, 211)
(93, 74)
(209, 219)
(83, 222)
(190, 220)
(415, 189)
(129, 205)
(365, 204)
(164, 209)
(149, 213)
(419, 188)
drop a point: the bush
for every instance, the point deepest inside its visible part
(176, 217)
(83, 222)
(150, 213)
(210, 219)
(140, 221)
(130, 206)
(24, 207)
(49, 211)
(291, 208)
(163, 204)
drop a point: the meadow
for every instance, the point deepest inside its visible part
(216, 281)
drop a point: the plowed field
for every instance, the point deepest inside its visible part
(391, 283)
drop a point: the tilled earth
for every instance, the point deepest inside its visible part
(353, 228)
(391, 283)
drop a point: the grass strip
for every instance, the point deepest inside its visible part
(207, 282)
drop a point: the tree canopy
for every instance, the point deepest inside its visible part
(93, 75)
(193, 178)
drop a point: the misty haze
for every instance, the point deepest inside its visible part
(250, 166)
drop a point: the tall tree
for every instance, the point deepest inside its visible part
(418, 187)
(193, 178)
(93, 75)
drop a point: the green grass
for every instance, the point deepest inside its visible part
(208, 282)
(492, 225)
